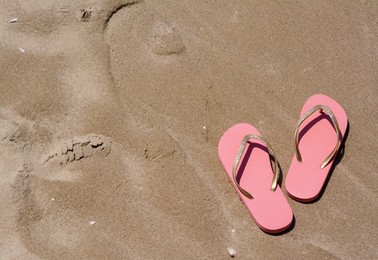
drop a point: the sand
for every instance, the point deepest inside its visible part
(111, 113)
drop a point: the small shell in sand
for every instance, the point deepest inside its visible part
(232, 252)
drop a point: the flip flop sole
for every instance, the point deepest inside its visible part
(317, 139)
(270, 209)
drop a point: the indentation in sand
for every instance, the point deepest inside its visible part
(166, 40)
(27, 209)
(78, 148)
(85, 14)
(35, 216)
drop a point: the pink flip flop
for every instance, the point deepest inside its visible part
(318, 136)
(245, 156)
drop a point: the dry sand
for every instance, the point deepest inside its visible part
(111, 112)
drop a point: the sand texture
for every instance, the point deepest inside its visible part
(111, 112)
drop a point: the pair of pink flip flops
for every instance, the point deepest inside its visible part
(253, 169)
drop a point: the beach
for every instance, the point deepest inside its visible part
(111, 113)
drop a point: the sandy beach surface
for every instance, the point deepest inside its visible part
(111, 113)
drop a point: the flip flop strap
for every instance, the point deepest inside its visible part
(329, 112)
(239, 155)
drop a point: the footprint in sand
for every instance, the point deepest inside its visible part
(134, 199)
(54, 213)
(78, 148)
(127, 194)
